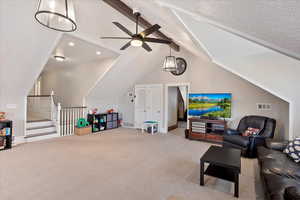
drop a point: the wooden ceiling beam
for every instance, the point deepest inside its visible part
(128, 12)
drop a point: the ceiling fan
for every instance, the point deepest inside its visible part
(139, 39)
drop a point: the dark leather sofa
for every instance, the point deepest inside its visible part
(247, 144)
(280, 174)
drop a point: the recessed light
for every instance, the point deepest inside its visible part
(98, 52)
(59, 58)
(71, 44)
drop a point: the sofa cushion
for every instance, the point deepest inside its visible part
(293, 150)
(275, 185)
(237, 139)
(292, 193)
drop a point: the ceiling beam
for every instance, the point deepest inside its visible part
(128, 12)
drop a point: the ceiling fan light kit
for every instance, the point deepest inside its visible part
(139, 39)
(136, 42)
(58, 15)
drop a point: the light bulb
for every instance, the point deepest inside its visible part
(136, 43)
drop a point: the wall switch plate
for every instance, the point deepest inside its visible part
(11, 106)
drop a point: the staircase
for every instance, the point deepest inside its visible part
(40, 130)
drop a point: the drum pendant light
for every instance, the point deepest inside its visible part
(170, 64)
(58, 15)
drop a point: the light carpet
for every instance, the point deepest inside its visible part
(118, 164)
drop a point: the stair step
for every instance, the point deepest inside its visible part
(39, 127)
(40, 134)
(31, 125)
(40, 120)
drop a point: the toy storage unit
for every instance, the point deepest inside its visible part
(103, 121)
(6, 139)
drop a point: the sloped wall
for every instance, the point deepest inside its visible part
(24, 50)
(71, 84)
(207, 77)
(121, 76)
(270, 70)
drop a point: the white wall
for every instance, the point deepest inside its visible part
(112, 88)
(72, 84)
(24, 50)
(207, 77)
(172, 106)
(270, 70)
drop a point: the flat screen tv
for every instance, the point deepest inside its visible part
(217, 105)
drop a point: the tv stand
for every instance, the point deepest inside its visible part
(206, 129)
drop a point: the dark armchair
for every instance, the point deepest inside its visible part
(235, 139)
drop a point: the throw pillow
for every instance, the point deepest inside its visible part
(251, 131)
(293, 149)
(291, 193)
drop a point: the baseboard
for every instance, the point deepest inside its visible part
(132, 127)
(18, 140)
(170, 128)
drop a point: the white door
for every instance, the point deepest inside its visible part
(148, 104)
(156, 104)
(140, 106)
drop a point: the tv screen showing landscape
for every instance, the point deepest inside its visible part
(210, 105)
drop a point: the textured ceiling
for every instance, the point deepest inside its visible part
(275, 22)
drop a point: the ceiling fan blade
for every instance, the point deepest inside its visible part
(155, 40)
(146, 46)
(125, 46)
(120, 26)
(122, 38)
(150, 30)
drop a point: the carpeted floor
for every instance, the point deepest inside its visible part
(119, 164)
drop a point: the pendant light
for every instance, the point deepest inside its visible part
(170, 64)
(58, 15)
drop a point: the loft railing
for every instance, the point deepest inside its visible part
(47, 107)
(68, 117)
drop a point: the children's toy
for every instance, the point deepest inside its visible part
(81, 122)
(110, 111)
(2, 116)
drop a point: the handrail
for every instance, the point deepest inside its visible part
(39, 96)
(74, 107)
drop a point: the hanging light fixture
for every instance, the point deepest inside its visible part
(58, 15)
(170, 64)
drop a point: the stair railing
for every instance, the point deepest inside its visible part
(68, 117)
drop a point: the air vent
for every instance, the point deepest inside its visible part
(264, 106)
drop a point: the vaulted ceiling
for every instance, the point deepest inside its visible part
(273, 23)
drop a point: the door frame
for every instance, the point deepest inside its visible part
(166, 108)
(161, 103)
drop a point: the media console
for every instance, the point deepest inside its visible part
(206, 129)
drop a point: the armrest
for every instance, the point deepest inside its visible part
(279, 146)
(257, 139)
(232, 132)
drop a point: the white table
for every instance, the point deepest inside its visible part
(151, 124)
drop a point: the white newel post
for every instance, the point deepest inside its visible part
(58, 118)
